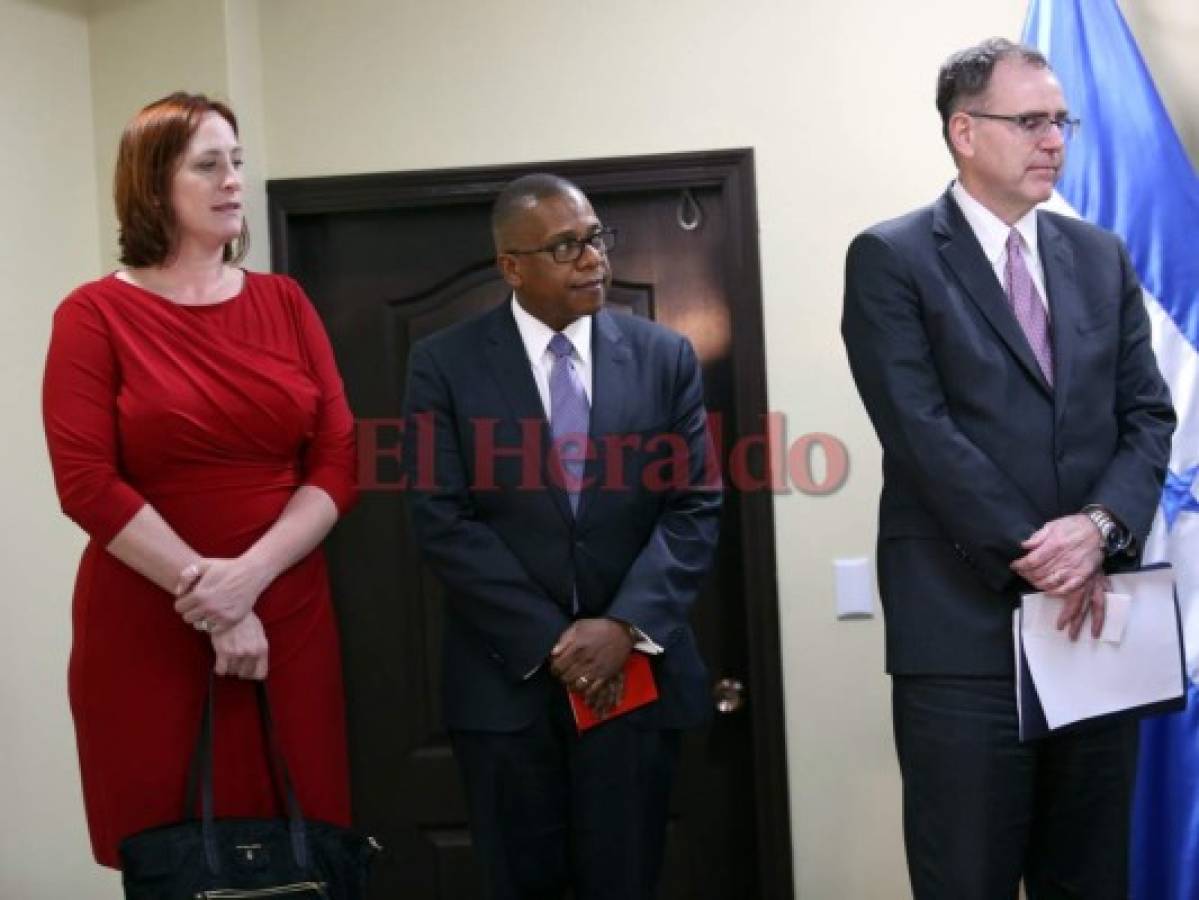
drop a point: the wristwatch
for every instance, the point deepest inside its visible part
(1115, 537)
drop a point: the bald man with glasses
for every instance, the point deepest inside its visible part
(560, 560)
(1003, 355)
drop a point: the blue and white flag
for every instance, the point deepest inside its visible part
(1127, 171)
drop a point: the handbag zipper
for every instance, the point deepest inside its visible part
(317, 887)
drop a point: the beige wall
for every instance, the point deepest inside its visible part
(243, 58)
(145, 49)
(47, 246)
(142, 50)
(835, 97)
(1167, 31)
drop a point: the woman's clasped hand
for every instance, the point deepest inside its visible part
(218, 596)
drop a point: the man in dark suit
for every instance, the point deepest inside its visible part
(570, 519)
(1004, 357)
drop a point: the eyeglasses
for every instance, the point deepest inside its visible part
(1035, 125)
(567, 250)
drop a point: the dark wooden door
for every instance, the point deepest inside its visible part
(388, 259)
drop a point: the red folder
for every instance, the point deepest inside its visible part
(639, 689)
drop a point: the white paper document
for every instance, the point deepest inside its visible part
(1135, 662)
(1041, 612)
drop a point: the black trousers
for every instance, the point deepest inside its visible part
(981, 810)
(552, 810)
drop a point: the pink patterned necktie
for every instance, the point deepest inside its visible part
(1027, 305)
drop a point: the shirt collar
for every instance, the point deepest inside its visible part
(992, 231)
(536, 335)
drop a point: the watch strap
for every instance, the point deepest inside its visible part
(1115, 538)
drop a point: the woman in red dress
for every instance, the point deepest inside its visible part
(199, 434)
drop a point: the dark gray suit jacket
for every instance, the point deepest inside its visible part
(978, 450)
(499, 532)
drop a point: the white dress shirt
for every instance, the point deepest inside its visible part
(992, 233)
(536, 336)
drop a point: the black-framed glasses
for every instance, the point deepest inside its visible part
(1035, 125)
(567, 250)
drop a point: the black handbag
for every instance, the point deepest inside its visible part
(206, 859)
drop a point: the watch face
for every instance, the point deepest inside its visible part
(1117, 539)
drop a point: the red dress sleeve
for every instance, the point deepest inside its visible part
(79, 410)
(330, 459)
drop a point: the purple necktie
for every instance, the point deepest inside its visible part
(1027, 305)
(570, 414)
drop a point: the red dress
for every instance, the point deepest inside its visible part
(214, 415)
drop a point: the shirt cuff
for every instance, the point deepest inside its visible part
(643, 642)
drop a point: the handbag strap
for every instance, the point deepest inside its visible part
(280, 772)
(200, 778)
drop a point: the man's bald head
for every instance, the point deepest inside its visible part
(520, 196)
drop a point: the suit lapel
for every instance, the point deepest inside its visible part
(510, 364)
(506, 354)
(1065, 306)
(964, 255)
(609, 392)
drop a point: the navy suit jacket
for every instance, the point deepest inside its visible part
(978, 450)
(497, 528)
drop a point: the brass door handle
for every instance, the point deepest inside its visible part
(729, 695)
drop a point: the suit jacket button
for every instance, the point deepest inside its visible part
(1061, 456)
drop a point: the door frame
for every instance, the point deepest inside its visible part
(732, 171)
